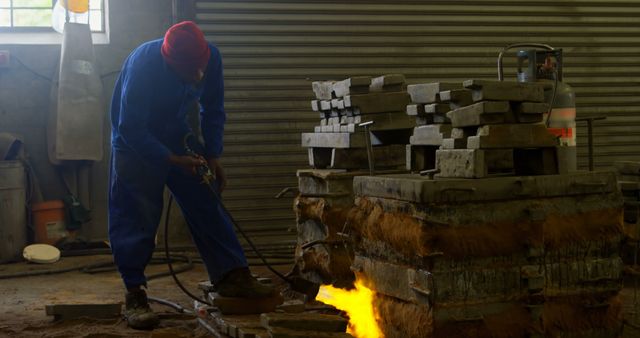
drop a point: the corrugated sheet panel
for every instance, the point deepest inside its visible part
(274, 49)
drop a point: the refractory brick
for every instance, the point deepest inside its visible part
(512, 136)
(323, 89)
(481, 113)
(428, 92)
(353, 85)
(487, 90)
(378, 102)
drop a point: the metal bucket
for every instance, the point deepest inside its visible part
(13, 216)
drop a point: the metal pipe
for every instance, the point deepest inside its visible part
(589, 121)
(173, 305)
(514, 45)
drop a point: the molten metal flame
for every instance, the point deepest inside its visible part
(358, 304)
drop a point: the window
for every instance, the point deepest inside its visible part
(35, 15)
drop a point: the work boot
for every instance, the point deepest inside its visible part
(138, 313)
(240, 283)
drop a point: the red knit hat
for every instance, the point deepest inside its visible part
(185, 49)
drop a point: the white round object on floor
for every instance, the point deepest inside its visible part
(41, 253)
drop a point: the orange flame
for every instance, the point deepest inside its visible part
(358, 304)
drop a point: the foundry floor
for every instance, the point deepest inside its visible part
(22, 302)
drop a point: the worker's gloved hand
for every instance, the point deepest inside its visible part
(188, 163)
(218, 172)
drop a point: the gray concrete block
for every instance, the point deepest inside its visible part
(463, 132)
(304, 321)
(529, 118)
(337, 104)
(530, 107)
(430, 134)
(432, 119)
(353, 85)
(323, 89)
(461, 282)
(481, 113)
(454, 143)
(512, 136)
(388, 157)
(415, 110)
(378, 102)
(325, 105)
(628, 167)
(292, 306)
(574, 276)
(247, 332)
(461, 163)
(629, 178)
(333, 140)
(389, 82)
(461, 97)
(315, 182)
(393, 279)
(315, 105)
(421, 189)
(437, 108)
(388, 121)
(328, 128)
(487, 90)
(630, 186)
(428, 92)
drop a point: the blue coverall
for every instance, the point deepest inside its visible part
(148, 121)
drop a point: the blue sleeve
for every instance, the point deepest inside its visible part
(212, 115)
(135, 115)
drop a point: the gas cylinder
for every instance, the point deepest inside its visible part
(545, 66)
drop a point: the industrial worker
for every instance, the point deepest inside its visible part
(159, 81)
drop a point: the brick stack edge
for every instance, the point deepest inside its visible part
(501, 242)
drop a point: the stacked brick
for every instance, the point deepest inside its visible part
(480, 128)
(629, 185)
(499, 133)
(629, 182)
(430, 103)
(338, 142)
(323, 255)
(337, 152)
(534, 256)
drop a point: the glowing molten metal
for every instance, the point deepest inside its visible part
(358, 304)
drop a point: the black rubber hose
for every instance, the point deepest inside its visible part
(215, 195)
(176, 306)
(166, 252)
(181, 269)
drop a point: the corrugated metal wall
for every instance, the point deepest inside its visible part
(273, 49)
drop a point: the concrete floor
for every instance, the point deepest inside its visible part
(22, 301)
